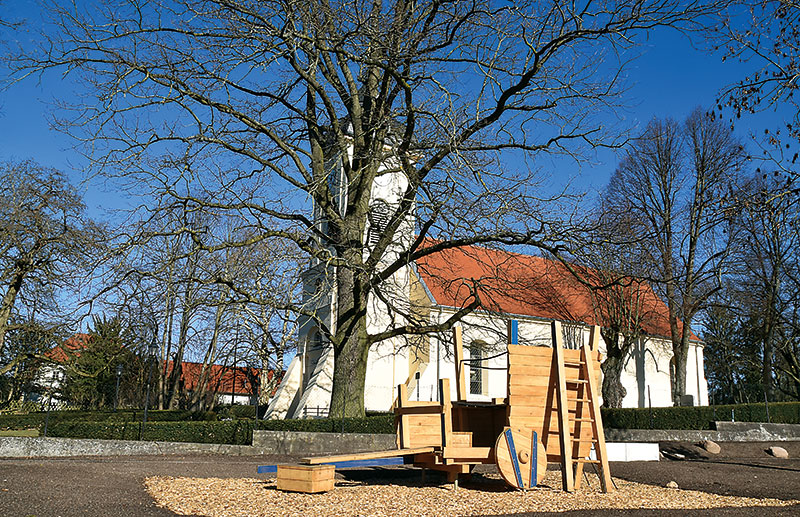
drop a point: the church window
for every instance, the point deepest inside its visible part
(573, 336)
(476, 355)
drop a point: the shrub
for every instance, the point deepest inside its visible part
(232, 432)
(31, 420)
(699, 417)
(235, 411)
(380, 424)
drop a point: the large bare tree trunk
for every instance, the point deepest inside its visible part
(613, 390)
(351, 345)
(349, 375)
(681, 354)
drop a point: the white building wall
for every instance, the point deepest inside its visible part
(231, 399)
(696, 383)
(287, 391)
(646, 376)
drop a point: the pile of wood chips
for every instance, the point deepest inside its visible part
(259, 497)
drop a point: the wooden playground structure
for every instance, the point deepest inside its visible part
(551, 415)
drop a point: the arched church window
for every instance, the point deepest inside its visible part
(317, 341)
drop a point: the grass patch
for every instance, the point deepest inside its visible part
(20, 432)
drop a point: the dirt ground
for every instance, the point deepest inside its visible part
(114, 486)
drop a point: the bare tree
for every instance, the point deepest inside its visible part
(675, 181)
(767, 35)
(624, 306)
(46, 247)
(262, 107)
(768, 268)
(269, 330)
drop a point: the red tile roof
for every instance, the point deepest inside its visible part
(69, 348)
(221, 379)
(526, 285)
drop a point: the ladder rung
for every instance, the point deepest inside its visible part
(587, 460)
(578, 400)
(576, 381)
(584, 419)
(586, 440)
(574, 364)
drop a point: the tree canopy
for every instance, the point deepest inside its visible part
(253, 110)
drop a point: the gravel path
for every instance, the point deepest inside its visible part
(487, 494)
(115, 486)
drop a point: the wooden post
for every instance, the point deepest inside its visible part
(447, 412)
(404, 433)
(577, 444)
(458, 349)
(565, 436)
(594, 338)
(597, 421)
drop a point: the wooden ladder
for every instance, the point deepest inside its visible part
(574, 442)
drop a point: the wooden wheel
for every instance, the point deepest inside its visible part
(514, 458)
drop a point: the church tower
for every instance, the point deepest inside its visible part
(306, 389)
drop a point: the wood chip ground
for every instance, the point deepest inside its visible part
(259, 497)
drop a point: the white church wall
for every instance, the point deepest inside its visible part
(387, 367)
(288, 389)
(696, 383)
(646, 375)
(316, 396)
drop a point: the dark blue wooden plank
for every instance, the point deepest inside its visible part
(513, 451)
(534, 460)
(513, 332)
(377, 462)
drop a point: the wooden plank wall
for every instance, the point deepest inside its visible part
(423, 424)
(531, 395)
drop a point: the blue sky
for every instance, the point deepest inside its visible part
(669, 79)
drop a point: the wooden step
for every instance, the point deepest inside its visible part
(587, 460)
(592, 440)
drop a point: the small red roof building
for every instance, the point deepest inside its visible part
(221, 379)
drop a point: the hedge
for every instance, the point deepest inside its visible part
(379, 424)
(234, 432)
(240, 432)
(699, 417)
(32, 420)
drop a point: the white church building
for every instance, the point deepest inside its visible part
(531, 290)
